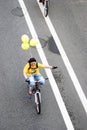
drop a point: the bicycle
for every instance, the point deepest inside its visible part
(37, 93)
(46, 4)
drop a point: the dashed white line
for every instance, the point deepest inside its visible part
(54, 86)
(66, 61)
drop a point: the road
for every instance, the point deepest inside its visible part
(69, 20)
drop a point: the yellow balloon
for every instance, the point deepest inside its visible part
(25, 39)
(33, 42)
(25, 46)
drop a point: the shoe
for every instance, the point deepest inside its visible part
(30, 93)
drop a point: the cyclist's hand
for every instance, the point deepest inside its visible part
(54, 67)
(27, 80)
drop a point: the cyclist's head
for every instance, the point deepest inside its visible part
(32, 60)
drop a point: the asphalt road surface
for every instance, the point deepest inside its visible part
(17, 111)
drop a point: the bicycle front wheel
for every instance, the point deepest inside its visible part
(38, 103)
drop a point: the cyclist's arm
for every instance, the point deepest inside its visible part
(49, 67)
(25, 70)
(25, 75)
(44, 66)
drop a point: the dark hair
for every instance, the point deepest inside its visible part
(31, 60)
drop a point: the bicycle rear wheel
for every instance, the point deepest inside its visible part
(38, 103)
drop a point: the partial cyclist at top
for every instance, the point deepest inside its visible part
(46, 4)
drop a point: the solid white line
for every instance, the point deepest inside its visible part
(66, 61)
(54, 86)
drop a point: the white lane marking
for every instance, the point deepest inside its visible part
(54, 86)
(66, 61)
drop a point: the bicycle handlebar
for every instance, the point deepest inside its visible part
(26, 80)
(54, 67)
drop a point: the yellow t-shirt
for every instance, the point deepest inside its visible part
(32, 70)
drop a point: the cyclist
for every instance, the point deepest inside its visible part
(31, 73)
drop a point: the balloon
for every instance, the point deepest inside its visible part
(25, 39)
(33, 42)
(25, 46)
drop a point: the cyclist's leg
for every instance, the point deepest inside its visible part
(31, 84)
(40, 78)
